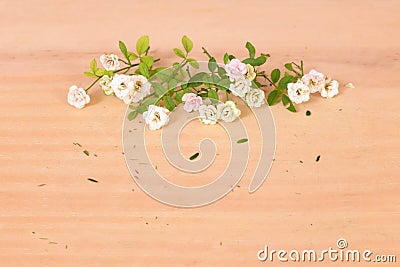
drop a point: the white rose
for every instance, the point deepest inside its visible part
(250, 73)
(208, 114)
(298, 92)
(77, 97)
(314, 80)
(331, 89)
(156, 117)
(122, 87)
(104, 83)
(235, 69)
(255, 98)
(227, 112)
(240, 87)
(109, 61)
(141, 88)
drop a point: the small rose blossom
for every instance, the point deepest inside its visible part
(298, 92)
(250, 72)
(109, 61)
(104, 83)
(192, 102)
(240, 87)
(255, 97)
(208, 114)
(78, 97)
(228, 111)
(156, 117)
(122, 87)
(141, 88)
(235, 69)
(314, 80)
(331, 89)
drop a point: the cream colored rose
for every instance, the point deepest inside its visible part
(122, 87)
(104, 83)
(250, 72)
(331, 89)
(77, 97)
(156, 117)
(240, 87)
(110, 61)
(208, 114)
(314, 80)
(298, 92)
(228, 111)
(141, 87)
(255, 98)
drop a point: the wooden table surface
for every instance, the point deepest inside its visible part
(352, 192)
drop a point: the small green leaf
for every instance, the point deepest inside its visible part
(179, 53)
(226, 58)
(244, 140)
(252, 49)
(123, 49)
(273, 97)
(132, 115)
(142, 44)
(101, 72)
(213, 94)
(255, 61)
(90, 74)
(187, 44)
(178, 97)
(148, 60)
(144, 70)
(194, 156)
(159, 89)
(193, 62)
(284, 81)
(212, 64)
(289, 66)
(275, 75)
(132, 56)
(93, 65)
(86, 152)
(169, 103)
(288, 103)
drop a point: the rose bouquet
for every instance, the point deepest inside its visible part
(203, 87)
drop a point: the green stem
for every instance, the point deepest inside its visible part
(206, 52)
(90, 86)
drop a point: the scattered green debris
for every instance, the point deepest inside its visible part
(194, 156)
(86, 152)
(77, 144)
(92, 180)
(53, 243)
(244, 140)
(317, 159)
(41, 184)
(308, 113)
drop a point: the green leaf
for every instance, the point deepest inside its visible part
(213, 94)
(132, 56)
(212, 64)
(288, 103)
(223, 84)
(273, 97)
(289, 66)
(179, 53)
(148, 60)
(169, 103)
(123, 49)
(101, 72)
(132, 115)
(187, 43)
(284, 81)
(89, 74)
(244, 140)
(275, 75)
(178, 96)
(149, 101)
(142, 44)
(194, 156)
(193, 62)
(221, 72)
(159, 89)
(226, 58)
(172, 84)
(144, 70)
(255, 61)
(252, 49)
(86, 152)
(93, 65)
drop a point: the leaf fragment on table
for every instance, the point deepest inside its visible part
(244, 140)
(194, 156)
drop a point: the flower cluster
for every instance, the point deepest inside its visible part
(132, 77)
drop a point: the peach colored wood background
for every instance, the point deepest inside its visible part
(352, 192)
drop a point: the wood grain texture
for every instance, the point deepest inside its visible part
(352, 192)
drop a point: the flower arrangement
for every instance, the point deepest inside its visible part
(131, 78)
